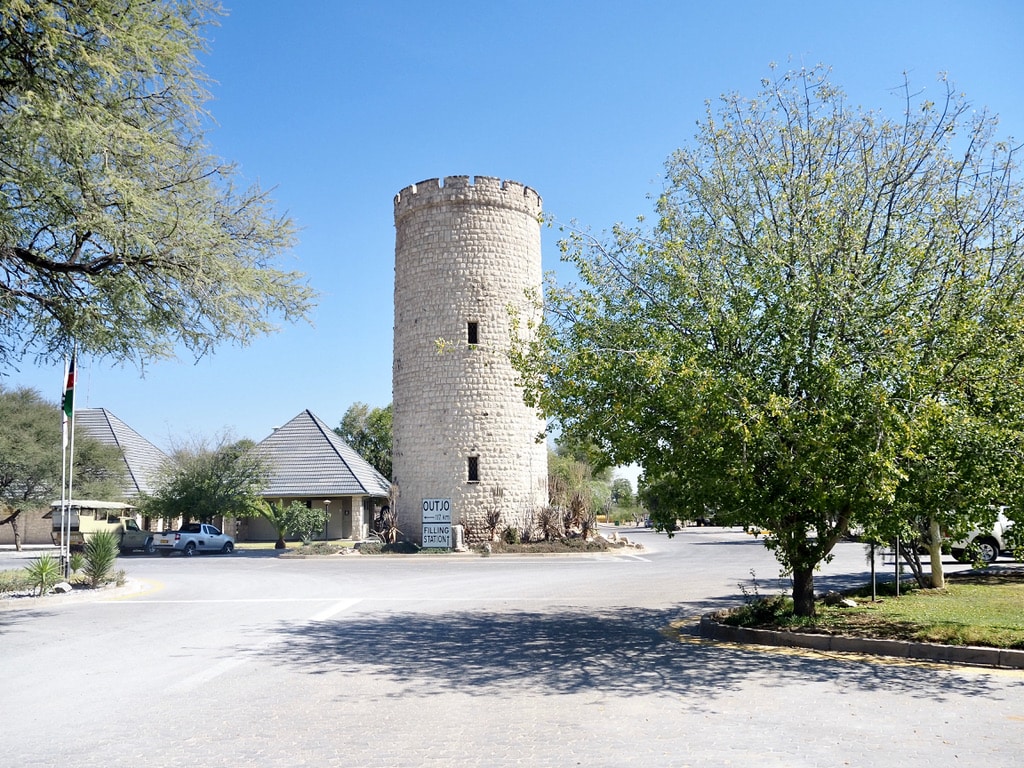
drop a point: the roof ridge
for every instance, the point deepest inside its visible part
(311, 433)
(330, 435)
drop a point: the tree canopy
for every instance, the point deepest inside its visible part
(369, 432)
(295, 519)
(119, 230)
(203, 482)
(826, 312)
(30, 454)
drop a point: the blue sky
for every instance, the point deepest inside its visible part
(339, 105)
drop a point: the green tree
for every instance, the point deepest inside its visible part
(622, 492)
(819, 279)
(296, 519)
(958, 461)
(203, 482)
(368, 431)
(574, 488)
(119, 231)
(30, 454)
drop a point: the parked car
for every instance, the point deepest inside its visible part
(192, 538)
(988, 542)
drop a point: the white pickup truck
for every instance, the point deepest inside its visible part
(192, 538)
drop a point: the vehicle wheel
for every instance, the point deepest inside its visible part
(150, 548)
(190, 549)
(988, 550)
(228, 548)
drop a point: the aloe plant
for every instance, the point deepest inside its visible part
(44, 573)
(100, 556)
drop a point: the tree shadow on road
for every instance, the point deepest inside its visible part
(623, 651)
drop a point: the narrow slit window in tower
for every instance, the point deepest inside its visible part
(473, 333)
(473, 466)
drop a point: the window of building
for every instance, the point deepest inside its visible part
(473, 333)
(474, 469)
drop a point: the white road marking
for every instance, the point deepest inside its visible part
(634, 557)
(201, 678)
(338, 607)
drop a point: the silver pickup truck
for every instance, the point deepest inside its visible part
(192, 538)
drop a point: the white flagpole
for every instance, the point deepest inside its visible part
(65, 553)
(71, 454)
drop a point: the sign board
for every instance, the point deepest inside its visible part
(437, 523)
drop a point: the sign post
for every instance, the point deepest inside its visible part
(437, 523)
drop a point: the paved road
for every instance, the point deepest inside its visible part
(386, 661)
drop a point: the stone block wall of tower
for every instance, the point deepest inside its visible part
(465, 251)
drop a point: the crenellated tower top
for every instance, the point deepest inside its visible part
(476, 190)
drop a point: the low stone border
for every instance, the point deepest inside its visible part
(973, 655)
(29, 599)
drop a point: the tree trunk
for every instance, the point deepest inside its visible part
(15, 528)
(803, 591)
(935, 553)
(909, 554)
(280, 543)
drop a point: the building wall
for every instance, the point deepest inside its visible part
(465, 251)
(349, 519)
(34, 529)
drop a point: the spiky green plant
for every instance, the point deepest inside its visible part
(44, 573)
(100, 556)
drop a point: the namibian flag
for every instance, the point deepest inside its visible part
(69, 389)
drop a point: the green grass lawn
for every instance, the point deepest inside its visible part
(979, 609)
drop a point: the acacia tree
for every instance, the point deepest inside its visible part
(369, 432)
(202, 482)
(622, 492)
(30, 453)
(820, 282)
(119, 230)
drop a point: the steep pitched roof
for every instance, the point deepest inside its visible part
(142, 459)
(308, 458)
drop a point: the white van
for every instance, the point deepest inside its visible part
(990, 542)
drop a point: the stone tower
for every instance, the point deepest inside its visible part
(465, 251)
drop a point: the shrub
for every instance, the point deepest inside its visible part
(44, 573)
(100, 556)
(493, 521)
(386, 525)
(318, 548)
(550, 523)
(401, 548)
(14, 581)
(588, 524)
(776, 610)
(1014, 540)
